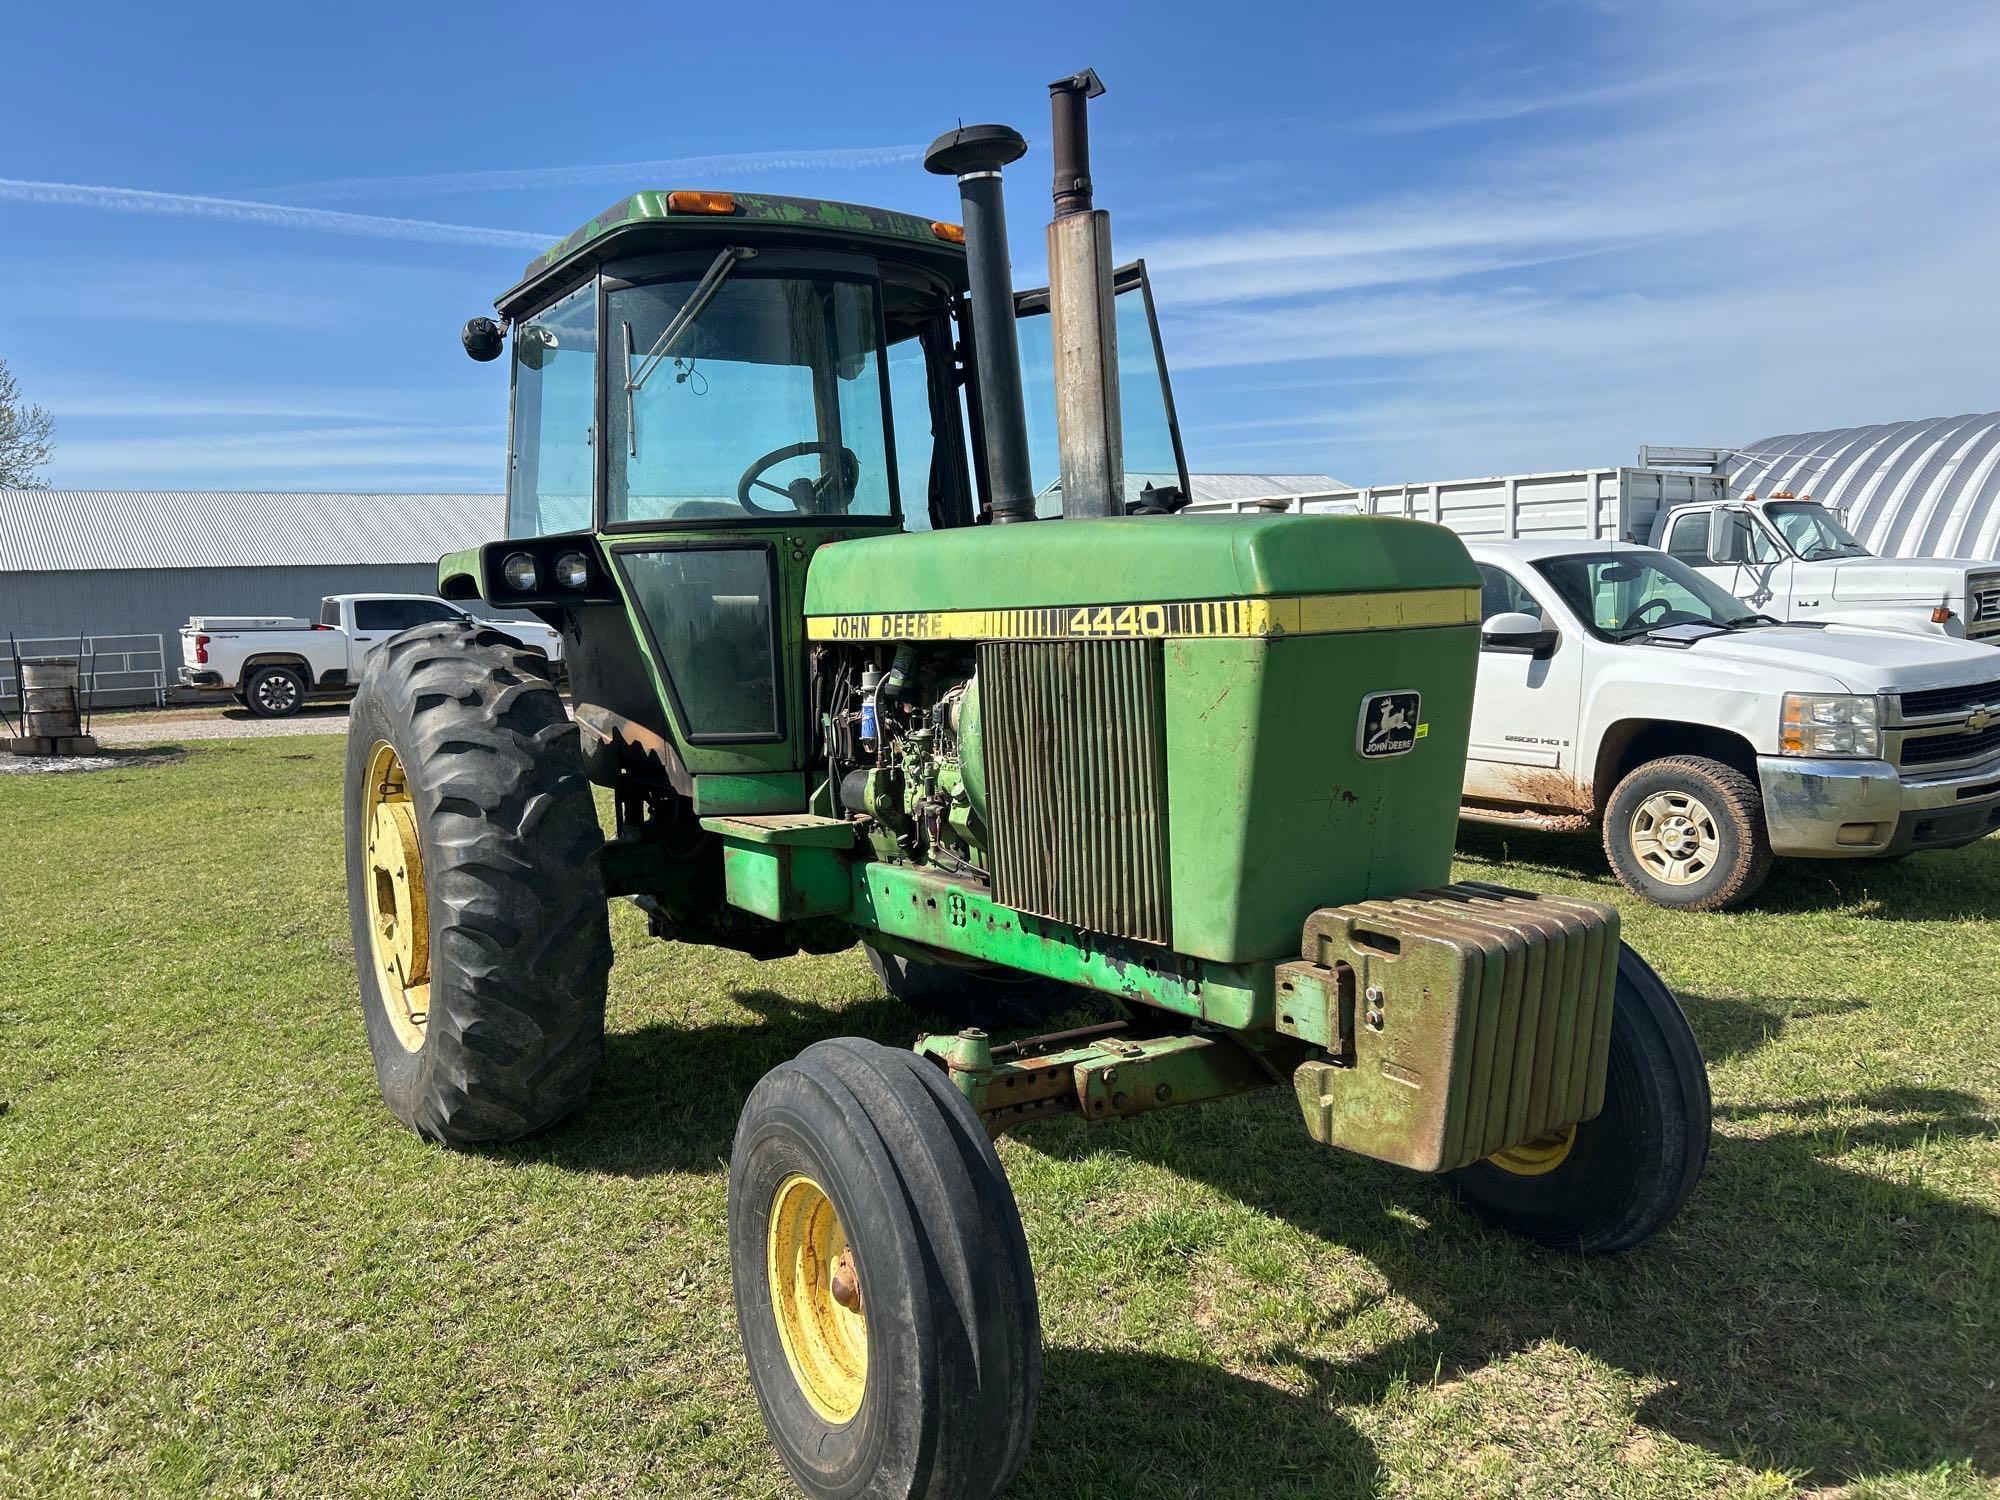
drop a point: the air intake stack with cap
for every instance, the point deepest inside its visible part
(974, 154)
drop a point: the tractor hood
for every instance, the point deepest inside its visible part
(1143, 560)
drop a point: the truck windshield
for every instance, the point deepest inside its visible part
(1624, 595)
(768, 400)
(1812, 532)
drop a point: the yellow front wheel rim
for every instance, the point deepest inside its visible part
(816, 1299)
(1533, 1158)
(399, 926)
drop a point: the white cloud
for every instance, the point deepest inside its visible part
(1802, 241)
(272, 215)
(329, 456)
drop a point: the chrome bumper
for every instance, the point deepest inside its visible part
(1832, 809)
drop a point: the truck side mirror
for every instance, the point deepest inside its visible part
(1728, 535)
(1519, 634)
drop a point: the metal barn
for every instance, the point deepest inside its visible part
(1928, 488)
(123, 570)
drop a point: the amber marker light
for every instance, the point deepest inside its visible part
(951, 234)
(689, 201)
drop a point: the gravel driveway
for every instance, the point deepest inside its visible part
(156, 727)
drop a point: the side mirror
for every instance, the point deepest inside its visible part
(483, 339)
(1728, 535)
(1519, 633)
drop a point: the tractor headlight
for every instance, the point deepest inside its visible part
(518, 568)
(573, 570)
(1832, 724)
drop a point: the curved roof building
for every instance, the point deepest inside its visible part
(1928, 488)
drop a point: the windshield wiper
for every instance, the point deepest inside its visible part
(677, 326)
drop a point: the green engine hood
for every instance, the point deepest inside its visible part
(1134, 560)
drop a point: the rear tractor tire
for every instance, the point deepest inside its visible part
(1616, 1180)
(883, 1290)
(974, 995)
(473, 884)
(1688, 832)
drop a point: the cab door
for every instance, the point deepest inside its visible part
(1759, 568)
(1152, 434)
(1523, 750)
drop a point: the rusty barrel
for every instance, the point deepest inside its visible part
(49, 704)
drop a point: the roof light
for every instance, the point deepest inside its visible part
(691, 201)
(1783, 495)
(951, 234)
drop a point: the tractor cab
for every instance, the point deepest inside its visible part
(757, 361)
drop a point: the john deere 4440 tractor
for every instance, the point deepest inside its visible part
(858, 661)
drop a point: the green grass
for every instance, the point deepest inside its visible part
(224, 1268)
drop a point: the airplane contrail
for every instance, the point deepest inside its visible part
(275, 215)
(623, 173)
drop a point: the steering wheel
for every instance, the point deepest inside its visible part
(806, 497)
(1664, 606)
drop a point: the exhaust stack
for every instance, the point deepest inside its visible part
(1083, 319)
(974, 154)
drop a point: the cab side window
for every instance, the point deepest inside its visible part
(1687, 539)
(1501, 594)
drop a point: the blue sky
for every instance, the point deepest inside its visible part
(1389, 243)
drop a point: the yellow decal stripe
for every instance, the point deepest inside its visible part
(1310, 614)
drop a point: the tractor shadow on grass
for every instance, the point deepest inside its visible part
(1130, 1423)
(1797, 1316)
(666, 1098)
(1943, 885)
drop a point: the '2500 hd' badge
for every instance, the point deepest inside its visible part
(1390, 724)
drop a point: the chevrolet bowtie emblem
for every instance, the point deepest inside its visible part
(1978, 719)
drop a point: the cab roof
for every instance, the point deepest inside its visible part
(648, 220)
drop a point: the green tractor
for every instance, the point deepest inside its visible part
(855, 665)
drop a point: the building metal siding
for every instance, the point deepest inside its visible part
(148, 601)
(1926, 488)
(80, 530)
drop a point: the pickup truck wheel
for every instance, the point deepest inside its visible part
(883, 1289)
(973, 995)
(1615, 1180)
(477, 902)
(274, 692)
(1686, 831)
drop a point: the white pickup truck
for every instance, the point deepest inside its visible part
(1784, 555)
(273, 663)
(1619, 686)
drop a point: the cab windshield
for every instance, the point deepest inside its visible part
(1624, 595)
(735, 396)
(1813, 533)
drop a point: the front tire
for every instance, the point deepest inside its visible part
(477, 902)
(1614, 1181)
(274, 692)
(883, 1290)
(1688, 832)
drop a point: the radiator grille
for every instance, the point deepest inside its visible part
(1076, 771)
(1928, 701)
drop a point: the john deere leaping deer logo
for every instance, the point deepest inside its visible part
(1388, 724)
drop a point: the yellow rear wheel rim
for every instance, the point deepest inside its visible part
(1533, 1158)
(816, 1299)
(399, 925)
